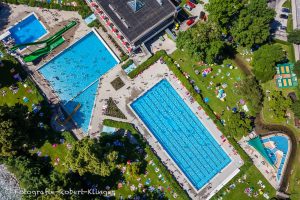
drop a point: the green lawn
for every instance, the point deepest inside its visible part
(151, 175)
(294, 182)
(289, 27)
(208, 85)
(246, 180)
(287, 4)
(56, 151)
(27, 89)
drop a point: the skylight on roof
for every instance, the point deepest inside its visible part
(136, 5)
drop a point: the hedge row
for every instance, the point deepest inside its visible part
(82, 8)
(127, 64)
(145, 65)
(127, 126)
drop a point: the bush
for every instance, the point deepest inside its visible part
(113, 110)
(127, 64)
(94, 23)
(124, 57)
(117, 83)
(69, 137)
(145, 65)
(297, 69)
(82, 8)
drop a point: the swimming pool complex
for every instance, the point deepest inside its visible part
(74, 75)
(28, 30)
(280, 145)
(181, 133)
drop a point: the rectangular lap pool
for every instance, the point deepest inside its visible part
(181, 133)
(74, 74)
(28, 30)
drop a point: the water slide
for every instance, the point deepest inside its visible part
(43, 51)
(50, 39)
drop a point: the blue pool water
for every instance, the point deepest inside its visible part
(75, 69)
(181, 133)
(28, 30)
(86, 100)
(282, 145)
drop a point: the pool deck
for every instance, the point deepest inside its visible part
(132, 90)
(53, 20)
(269, 172)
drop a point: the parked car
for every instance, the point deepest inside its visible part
(191, 4)
(285, 10)
(190, 21)
(283, 16)
(283, 28)
(187, 7)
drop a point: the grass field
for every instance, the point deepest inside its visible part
(247, 180)
(25, 89)
(208, 85)
(288, 48)
(153, 175)
(287, 4)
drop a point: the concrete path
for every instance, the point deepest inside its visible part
(296, 24)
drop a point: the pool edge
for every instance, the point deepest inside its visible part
(232, 160)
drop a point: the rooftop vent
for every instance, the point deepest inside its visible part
(160, 2)
(136, 5)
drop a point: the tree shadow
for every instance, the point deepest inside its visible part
(7, 72)
(5, 12)
(73, 112)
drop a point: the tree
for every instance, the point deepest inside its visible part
(134, 168)
(202, 41)
(87, 156)
(30, 173)
(15, 126)
(223, 12)
(8, 138)
(253, 24)
(237, 126)
(155, 194)
(297, 69)
(294, 37)
(278, 105)
(252, 92)
(296, 108)
(264, 61)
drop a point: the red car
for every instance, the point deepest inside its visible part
(190, 21)
(191, 4)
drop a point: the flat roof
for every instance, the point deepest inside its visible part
(136, 24)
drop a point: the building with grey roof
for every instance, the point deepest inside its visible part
(139, 20)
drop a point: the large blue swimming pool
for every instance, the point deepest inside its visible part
(28, 30)
(73, 74)
(181, 133)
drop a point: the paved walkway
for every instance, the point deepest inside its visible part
(133, 89)
(296, 24)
